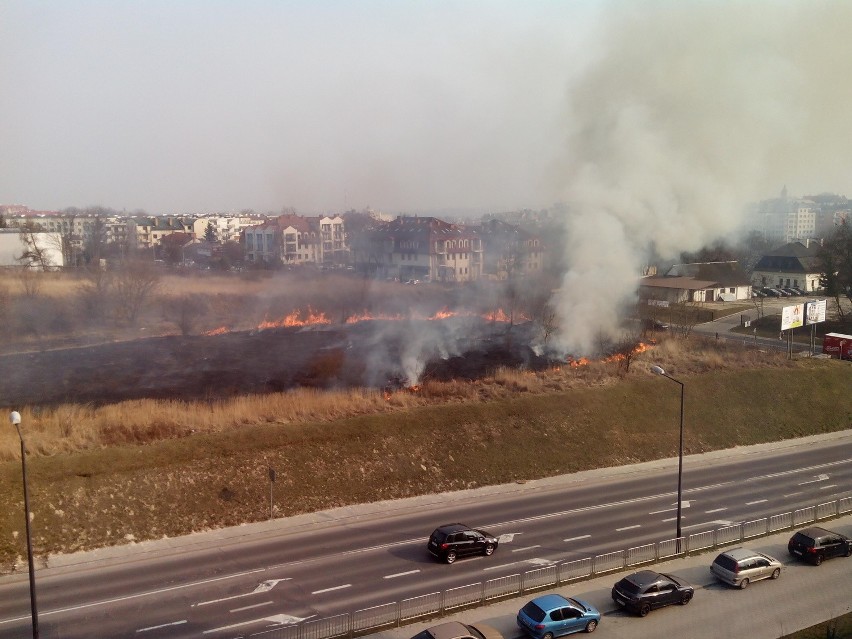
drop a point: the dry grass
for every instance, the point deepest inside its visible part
(347, 448)
(71, 428)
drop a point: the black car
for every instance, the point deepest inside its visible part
(458, 630)
(815, 544)
(451, 541)
(645, 590)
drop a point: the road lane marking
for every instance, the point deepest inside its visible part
(257, 605)
(820, 477)
(668, 519)
(319, 592)
(715, 510)
(526, 548)
(263, 586)
(829, 486)
(147, 593)
(577, 538)
(513, 563)
(628, 528)
(165, 625)
(685, 504)
(718, 522)
(758, 501)
(418, 540)
(401, 574)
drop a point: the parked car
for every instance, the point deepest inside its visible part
(740, 566)
(650, 324)
(771, 292)
(451, 541)
(816, 544)
(645, 590)
(552, 616)
(458, 630)
(790, 291)
(757, 293)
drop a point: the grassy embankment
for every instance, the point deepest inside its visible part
(516, 426)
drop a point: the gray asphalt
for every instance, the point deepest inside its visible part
(804, 596)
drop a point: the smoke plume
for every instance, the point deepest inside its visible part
(689, 111)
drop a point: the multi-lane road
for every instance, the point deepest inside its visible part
(244, 584)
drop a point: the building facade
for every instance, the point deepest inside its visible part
(794, 264)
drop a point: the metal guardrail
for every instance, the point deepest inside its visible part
(436, 604)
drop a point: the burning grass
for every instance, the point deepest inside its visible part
(345, 448)
(69, 428)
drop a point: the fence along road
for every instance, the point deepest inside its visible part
(804, 596)
(559, 576)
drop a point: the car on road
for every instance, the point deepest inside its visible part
(646, 590)
(741, 566)
(553, 615)
(451, 541)
(816, 544)
(458, 630)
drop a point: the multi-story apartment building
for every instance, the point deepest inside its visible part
(800, 222)
(148, 231)
(295, 239)
(785, 219)
(227, 228)
(78, 229)
(421, 248)
(509, 251)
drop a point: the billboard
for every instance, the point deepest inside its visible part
(815, 312)
(792, 316)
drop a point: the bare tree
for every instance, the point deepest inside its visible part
(34, 258)
(96, 235)
(185, 312)
(5, 305)
(95, 292)
(685, 315)
(36, 253)
(626, 350)
(135, 282)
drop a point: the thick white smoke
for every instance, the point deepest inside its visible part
(689, 111)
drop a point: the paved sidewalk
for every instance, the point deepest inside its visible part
(804, 596)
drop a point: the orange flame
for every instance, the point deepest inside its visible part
(577, 363)
(366, 317)
(496, 316)
(218, 331)
(641, 347)
(296, 318)
(443, 314)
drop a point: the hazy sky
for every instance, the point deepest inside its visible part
(205, 105)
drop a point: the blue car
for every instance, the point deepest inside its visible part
(552, 616)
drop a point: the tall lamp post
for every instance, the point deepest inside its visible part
(15, 418)
(659, 371)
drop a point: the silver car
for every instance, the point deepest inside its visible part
(740, 566)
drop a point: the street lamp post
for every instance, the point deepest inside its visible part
(659, 371)
(15, 418)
